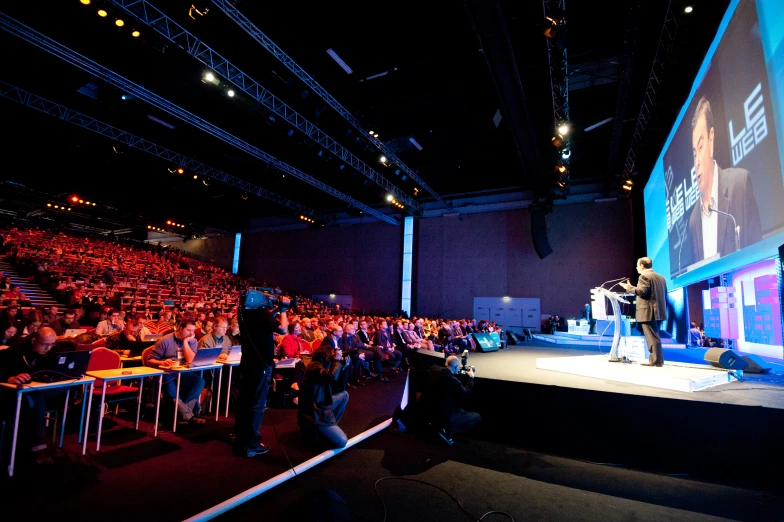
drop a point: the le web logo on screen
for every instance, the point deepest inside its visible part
(685, 196)
(756, 128)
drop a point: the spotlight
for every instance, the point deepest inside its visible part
(93, 204)
(566, 153)
(687, 10)
(557, 140)
(69, 209)
(48, 204)
(149, 227)
(56, 206)
(375, 135)
(180, 170)
(123, 97)
(85, 2)
(168, 222)
(390, 197)
(136, 33)
(102, 13)
(119, 22)
(561, 168)
(87, 202)
(209, 77)
(627, 187)
(195, 176)
(230, 93)
(370, 132)
(563, 130)
(74, 199)
(81, 201)
(383, 160)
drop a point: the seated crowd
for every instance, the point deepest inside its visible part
(123, 293)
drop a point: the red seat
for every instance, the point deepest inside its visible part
(105, 359)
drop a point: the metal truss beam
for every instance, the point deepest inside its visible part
(13, 93)
(555, 12)
(153, 17)
(249, 27)
(45, 43)
(666, 41)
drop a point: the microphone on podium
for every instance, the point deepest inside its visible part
(735, 226)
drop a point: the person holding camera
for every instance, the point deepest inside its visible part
(447, 396)
(255, 374)
(320, 411)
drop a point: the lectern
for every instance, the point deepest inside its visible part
(599, 295)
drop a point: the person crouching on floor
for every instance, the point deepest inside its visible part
(319, 410)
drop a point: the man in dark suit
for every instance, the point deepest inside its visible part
(651, 292)
(726, 190)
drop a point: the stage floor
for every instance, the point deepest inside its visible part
(519, 364)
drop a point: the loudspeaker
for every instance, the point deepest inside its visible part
(423, 359)
(723, 358)
(484, 343)
(755, 364)
(539, 233)
(512, 338)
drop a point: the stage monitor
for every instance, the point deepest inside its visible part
(485, 343)
(713, 201)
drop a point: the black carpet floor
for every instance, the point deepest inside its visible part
(486, 476)
(172, 477)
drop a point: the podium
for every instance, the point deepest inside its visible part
(599, 295)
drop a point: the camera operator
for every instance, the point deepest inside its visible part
(447, 396)
(319, 410)
(255, 373)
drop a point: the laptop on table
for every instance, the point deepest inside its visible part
(62, 366)
(204, 357)
(235, 354)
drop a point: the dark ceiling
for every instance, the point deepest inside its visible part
(437, 89)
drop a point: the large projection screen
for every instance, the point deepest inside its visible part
(715, 198)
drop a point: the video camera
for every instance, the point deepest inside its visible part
(267, 299)
(464, 368)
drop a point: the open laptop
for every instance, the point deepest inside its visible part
(204, 357)
(152, 337)
(235, 354)
(63, 366)
(73, 332)
(135, 348)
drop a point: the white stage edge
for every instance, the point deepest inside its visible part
(678, 377)
(589, 340)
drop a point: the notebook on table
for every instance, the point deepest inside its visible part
(204, 357)
(63, 366)
(235, 354)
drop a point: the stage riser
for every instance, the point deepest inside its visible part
(561, 339)
(684, 378)
(705, 440)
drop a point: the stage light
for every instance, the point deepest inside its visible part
(69, 209)
(56, 206)
(81, 201)
(136, 33)
(506, 298)
(102, 13)
(627, 187)
(557, 141)
(563, 130)
(74, 199)
(86, 202)
(230, 93)
(370, 132)
(566, 153)
(375, 135)
(85, 2)
(561, 169)
(168, 222)
(123, 97)
(119, 22)
(209, 77)
(688, 9)
(48, 204)
(149, 227)
(390, 197)
(180, 170)
(195, 176)
(93, 204)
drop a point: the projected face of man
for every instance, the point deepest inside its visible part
(702, 150)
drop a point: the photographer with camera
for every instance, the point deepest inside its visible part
(258, 324)
(447, 394)
(320, 410)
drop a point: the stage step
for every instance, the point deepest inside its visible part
(37, 295)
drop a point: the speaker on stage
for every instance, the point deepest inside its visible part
(512, 338)
(723, 358)
(755, 364)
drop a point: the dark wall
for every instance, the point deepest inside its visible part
(362, 260)
(491, 254)
(219, 249)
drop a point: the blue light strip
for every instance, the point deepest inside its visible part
(408, 259)
(235, 265)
